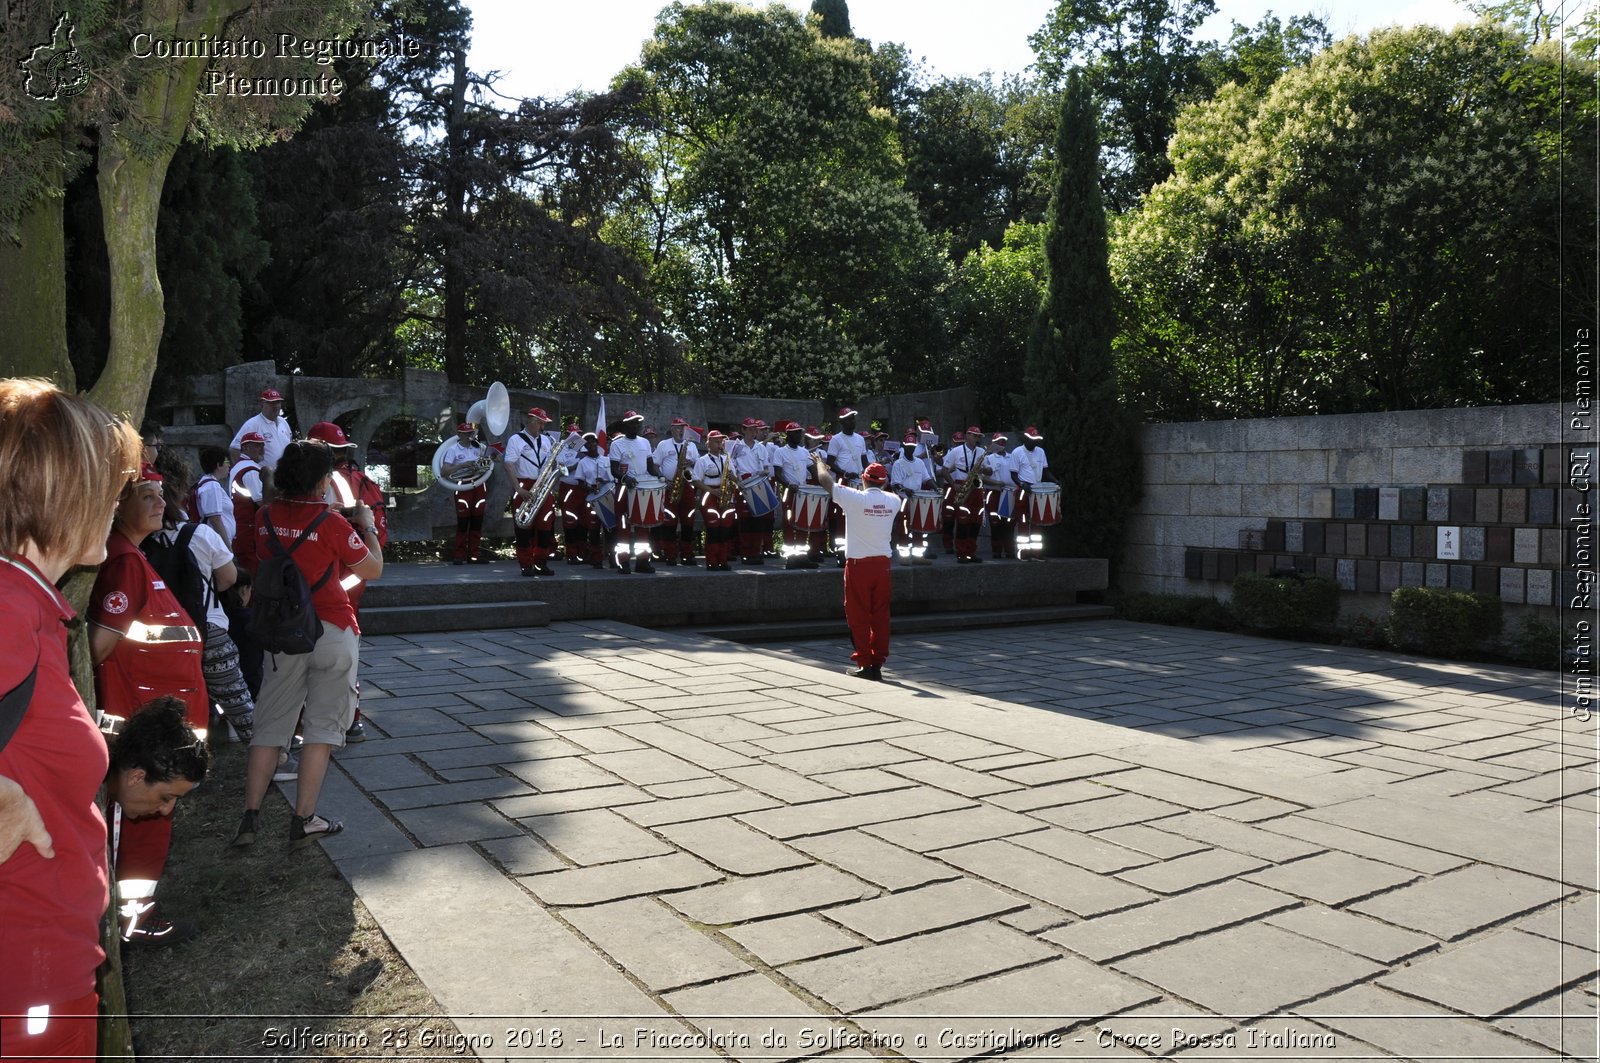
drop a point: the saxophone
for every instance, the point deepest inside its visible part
(679, 478)
(551, 471)
(974, 474)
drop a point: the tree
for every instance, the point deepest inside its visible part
(1071, 383)
(994, 299)
(783, 248)
(1141, 64)
(1377, 231)
(1255, 57)
(835, 16)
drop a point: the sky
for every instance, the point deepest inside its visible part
(550, 47)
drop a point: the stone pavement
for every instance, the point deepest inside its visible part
(596, 841)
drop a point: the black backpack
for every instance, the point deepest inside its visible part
(282, 619)
(180, 572)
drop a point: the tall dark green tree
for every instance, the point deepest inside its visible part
(1070, 376)
(835, 15)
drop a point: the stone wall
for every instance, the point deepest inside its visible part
(1358, 497)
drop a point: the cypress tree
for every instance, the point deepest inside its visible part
(835, 17)
(1070, 376)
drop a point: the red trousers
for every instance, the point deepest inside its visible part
(470, 507)
(720, 524)
(674, 538)
(71, 1032)
(866, 608)
(968, 519)
(538, 540)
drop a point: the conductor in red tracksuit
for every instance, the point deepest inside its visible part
(869, 517)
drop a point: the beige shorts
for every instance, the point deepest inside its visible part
(316, 689)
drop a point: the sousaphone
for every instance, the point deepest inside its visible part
(493, 414)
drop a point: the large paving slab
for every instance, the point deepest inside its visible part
(1045, 845)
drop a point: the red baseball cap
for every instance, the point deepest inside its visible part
(974, 430)
(999, 437)
(958, 437)
(910, 440)
(846, 411)
(466, 426)
(272, 395)
(632, 415)
(1031, 432)
(875, 473)
(538, 411)
(252, 437)
(330, 434)
(750, 422)
(679, 421)
(714, 434)
(650, 430)
(813, 432)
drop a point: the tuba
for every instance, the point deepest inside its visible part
(552, 470)
(493, 412)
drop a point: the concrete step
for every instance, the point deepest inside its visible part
(464, 616)
(916, 623)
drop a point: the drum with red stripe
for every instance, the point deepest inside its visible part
(1044, 504)
(645, 503)
(810, 507)
(922, 512)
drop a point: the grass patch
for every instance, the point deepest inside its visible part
(283, 940)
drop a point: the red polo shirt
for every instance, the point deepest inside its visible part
(161, 649)
(49, 909)
(333, 542)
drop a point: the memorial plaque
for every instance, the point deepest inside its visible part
(1366, 503)
(1461, 577)
(1251, 538)
(1305, 564)
(1486, 579)
(1192, 565)
(1448, 544)
(1551, 545)
(1263, 564)
(1513, 586)
(1377, 540)
(1525, 546)
(1274, 537)
(1414, 504)
(1316, 537)
(1541, 587)
(1208, 564)
(1500, 467)
(1388, 503)
(1514, 505)
(1541, 505)
(1474, 467)
(1497, 545)
(1411, 574)
(1388, 577)
(1294, 536)
(1327, 568)
(1527, 466)
(1344, 570)
(1400, 540)
(1553, 469)
(1335, 537)
(1283, 563)
(1367, 577)
(1462, 503)
(1355, 539)
(1486, 506)
(1425, 541)
(1437, 575)
(1322, 502)
(1344, 503)
(1227, 566)
(1472, 543)
(1438, 505)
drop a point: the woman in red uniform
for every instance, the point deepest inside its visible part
(145, 646)
(63, 461)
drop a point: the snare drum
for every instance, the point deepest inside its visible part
(810, 507)
(1002, 502)
(645, 501)
(1044, 504)
(603, 502)
(760, 497)
(922, 512)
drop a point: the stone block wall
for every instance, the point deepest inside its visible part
(1367, 499)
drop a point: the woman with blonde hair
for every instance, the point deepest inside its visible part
(63, 463)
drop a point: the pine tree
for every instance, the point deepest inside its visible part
(1070, 376)
(835, 17)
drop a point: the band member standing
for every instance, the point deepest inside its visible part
(908, 475)
(749, 462)
(869, 514)
(714, 482)
(271, 424)
(460, 462)
(674, 455)
(961, 463)
(1029, 466)
(792, 466)
(631, 458)
(574, 506)
(594, 477)
(526, 453)
(998, 480)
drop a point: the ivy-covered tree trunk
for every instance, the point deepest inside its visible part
(33, 313)
(1071, 378)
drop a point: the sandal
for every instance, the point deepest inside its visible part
(246, 834)
(306, 829)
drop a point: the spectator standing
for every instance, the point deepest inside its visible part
(271, 424)
(209, 503)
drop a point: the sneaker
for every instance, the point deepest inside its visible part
(873, 672)
(357, 733)
(303, 830)
(246, 834)
(288, 769)
(529, 571)
(158, 933)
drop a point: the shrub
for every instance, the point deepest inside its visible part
(1290, 604)
(1440, 622)
(1536, 642)
(1179, 610)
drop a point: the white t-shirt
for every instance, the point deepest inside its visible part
(631, 456)
(667, 457)
(708, 471)
(961, 460)
(791, 465)
(997, 468)
(246, 479)
(868, 520)
(524, 460)
(1029, 466)
(907, 474)
(277, 433)
(848, 452)
(748, 458)
(210, 553)
(592, 472)
(213, 501)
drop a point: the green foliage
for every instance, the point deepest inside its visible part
(782, 247)
(1536, 642)
(835, 16)
(1177, 610)
(992, 304)
(1070, 380)
(1257, 56)
(1289, 604)
(1442, 623)
(1372, 232)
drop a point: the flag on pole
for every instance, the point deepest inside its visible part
(600, 427)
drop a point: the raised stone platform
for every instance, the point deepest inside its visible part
(439, 597)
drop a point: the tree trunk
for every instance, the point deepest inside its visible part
(33, 276)
(455, 205)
